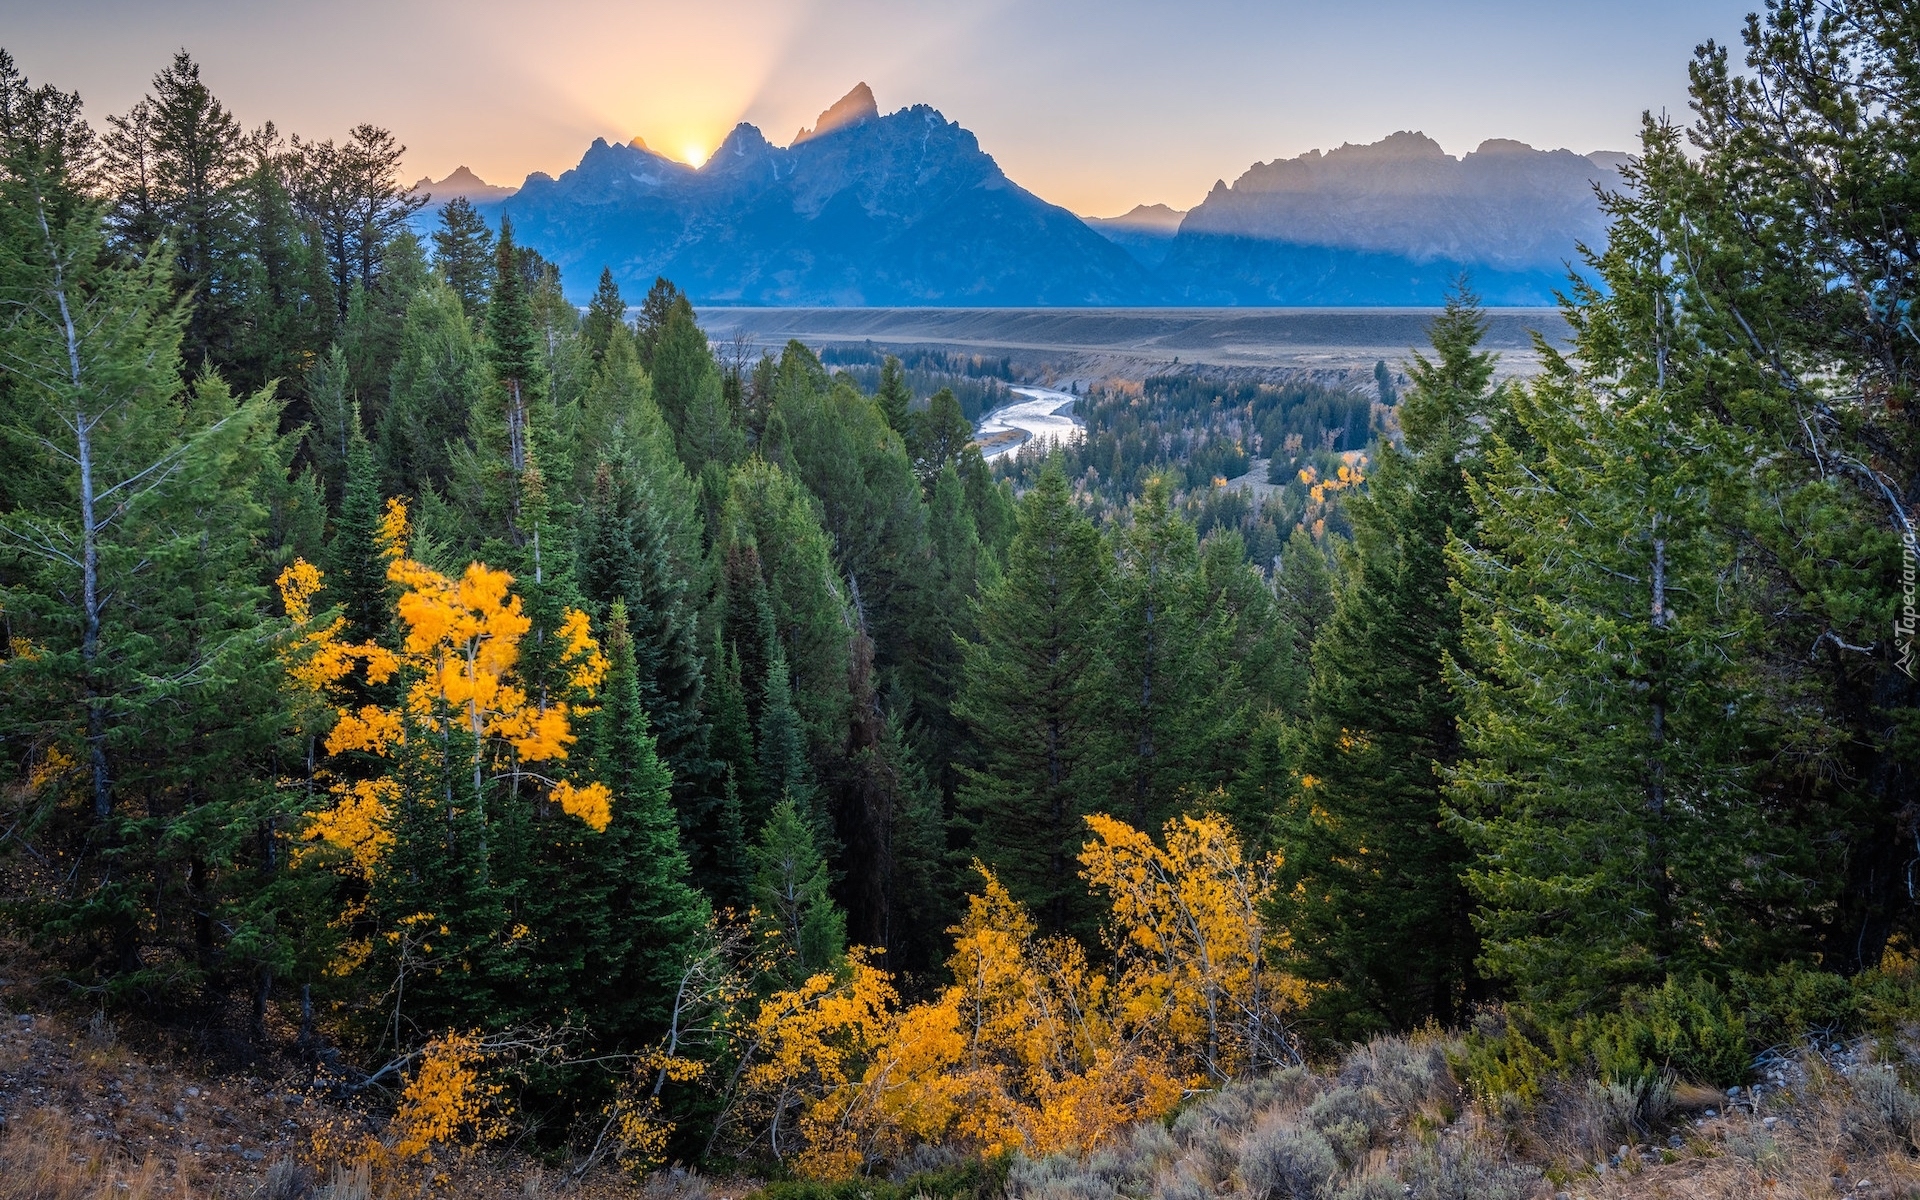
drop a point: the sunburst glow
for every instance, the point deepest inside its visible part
(694, 153)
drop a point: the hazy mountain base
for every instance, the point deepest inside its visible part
(1219, 269)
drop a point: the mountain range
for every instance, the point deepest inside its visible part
(905, 209)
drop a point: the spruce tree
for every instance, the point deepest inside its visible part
(463, 255)
(436, 382)
(781, 747)
(1303, 597)
(606, 318)
(732, 746)
(511, 404)
(1170, 687)
(893, 396)
(1383, 914)
(661, 300)
(776, 554)
(793, 907)
(687, 387)
(959, 571)
(1027, 694)
(651, 912)
(625, 558)
(127, 543)
(358, 574)
(334, 420)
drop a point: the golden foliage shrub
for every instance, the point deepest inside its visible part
(1034, 1047)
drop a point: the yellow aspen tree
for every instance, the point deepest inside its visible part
(1190, 943)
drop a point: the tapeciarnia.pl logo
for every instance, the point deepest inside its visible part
(1905, 624)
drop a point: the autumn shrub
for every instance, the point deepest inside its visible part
(1037, 1046)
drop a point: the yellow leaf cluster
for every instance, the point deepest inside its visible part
(53, 766)
(447, 1102)
(593, 804)
(463, 642)
(318, 660)
(1032, 1047)
(1190, 943)
(394, 530)
(357, 821)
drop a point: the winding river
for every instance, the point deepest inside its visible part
(1044, 414)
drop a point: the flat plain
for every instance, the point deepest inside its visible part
(1063, 344)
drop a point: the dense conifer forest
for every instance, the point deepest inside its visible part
(549, 729)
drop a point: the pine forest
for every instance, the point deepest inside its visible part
(535, 735)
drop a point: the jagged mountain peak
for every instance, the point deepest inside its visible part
(903, 208)
(1142, 216)
(853, 108)
(462, 182)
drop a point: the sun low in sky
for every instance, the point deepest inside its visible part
(1094, 104)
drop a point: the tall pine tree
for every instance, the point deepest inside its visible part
(1382, 912)
(1028, 692)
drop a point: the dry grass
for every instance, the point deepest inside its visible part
(1391, 1122)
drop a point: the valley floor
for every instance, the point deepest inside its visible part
(1061, 346)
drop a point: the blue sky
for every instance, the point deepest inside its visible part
(1094, 104)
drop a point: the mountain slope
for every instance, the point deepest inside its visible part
(864, 209)
(1145, 231)
(1390, 224)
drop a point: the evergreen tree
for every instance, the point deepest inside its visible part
(371, 337)
(959, 571)
(651, 913)
(1303, 589)
(286, 309)
(335, 419)
(1383, 912)
(606, 317)
(732, 748)
(625, 558)
(687, 387)
(358, 577)
(1170, 691)
(511, 402)
(937, 436)
(463, 255)
(990, 502)
(855, 466)
(1027, 694)
(175, 165)
(126, 540)
(792, 905)
(349, 193)
(437, 380)
(655, 310)
(781, 746)
(893, 396)
(771, 539)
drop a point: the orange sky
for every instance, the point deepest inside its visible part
(1093, 104)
